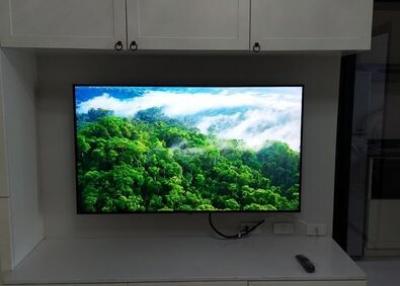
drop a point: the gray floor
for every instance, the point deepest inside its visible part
(382, 271)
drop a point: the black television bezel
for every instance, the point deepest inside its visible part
(79, 210)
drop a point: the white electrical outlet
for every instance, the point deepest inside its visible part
(283, 228)
(316, 229)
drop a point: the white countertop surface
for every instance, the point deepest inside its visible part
(268, 258)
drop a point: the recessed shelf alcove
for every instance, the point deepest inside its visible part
(45, 241)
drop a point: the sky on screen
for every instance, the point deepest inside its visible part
(253, 114)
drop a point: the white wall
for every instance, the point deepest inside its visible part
(57, 73)
(19, 160)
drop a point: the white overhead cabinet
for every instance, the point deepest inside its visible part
(189, 24)
(93, 24)
(290, 25)
(258, 25)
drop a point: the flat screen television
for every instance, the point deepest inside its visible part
(162, 149)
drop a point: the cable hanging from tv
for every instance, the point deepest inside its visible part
(243, 233)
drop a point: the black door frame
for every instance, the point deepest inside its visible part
(343, 149)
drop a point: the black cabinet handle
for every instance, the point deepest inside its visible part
(256, 47)
(118, 46)
(133, 46)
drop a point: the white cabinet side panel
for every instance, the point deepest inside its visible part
(20, 123)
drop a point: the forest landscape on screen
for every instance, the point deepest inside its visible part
(187, 149)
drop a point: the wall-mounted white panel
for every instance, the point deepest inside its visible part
(19, 82)
(95, 24)
(189, 24)
(57, 73)
(311, 24)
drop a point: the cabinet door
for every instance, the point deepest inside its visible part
(309, 283)
(94, 24)
(205, 283)
(189, 24)
(279, 25)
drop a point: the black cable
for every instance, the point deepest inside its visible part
(242, 233)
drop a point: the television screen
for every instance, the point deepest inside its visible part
(152, 149)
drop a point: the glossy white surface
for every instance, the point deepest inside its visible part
(266, 258)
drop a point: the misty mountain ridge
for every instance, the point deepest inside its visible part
(249, 125)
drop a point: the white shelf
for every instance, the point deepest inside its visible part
(265, 258)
